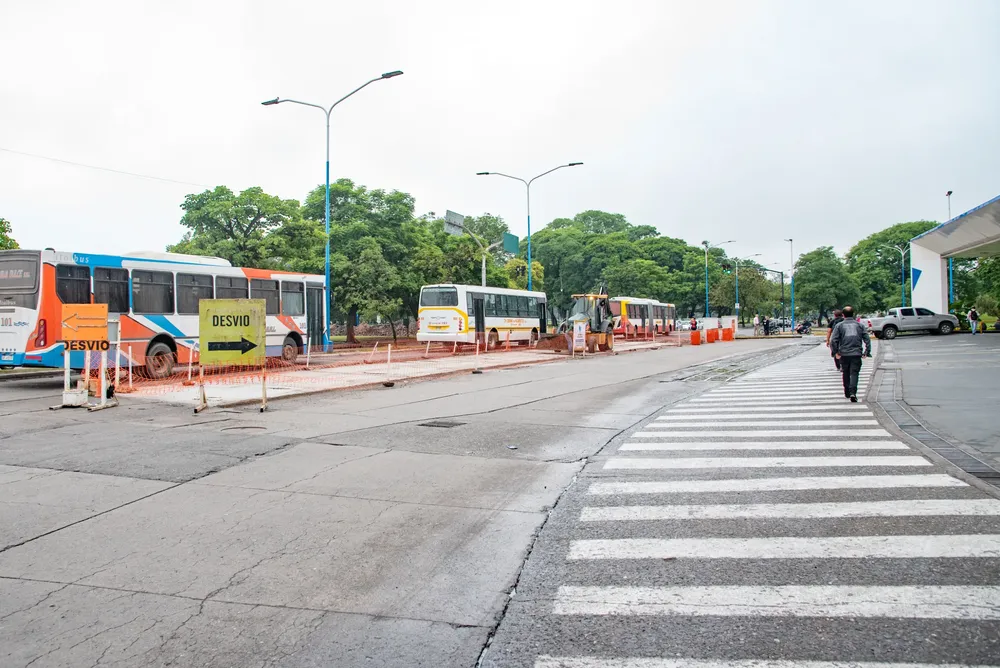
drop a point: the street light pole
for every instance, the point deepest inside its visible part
(527, 187)
(327, 112)
(791, 272)
(707, 246)
(737, 260)
(485, 250)
(902, 271)
(951, 263)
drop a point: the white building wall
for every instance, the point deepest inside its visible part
(929, 278)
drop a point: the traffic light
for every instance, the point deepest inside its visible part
(727, 268)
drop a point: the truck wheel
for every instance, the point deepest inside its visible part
(889, 332)
(946, 328)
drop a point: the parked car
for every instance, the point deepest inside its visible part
(912, 319)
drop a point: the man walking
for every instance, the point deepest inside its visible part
(973, 317)
(849, 343)
(838, 317)
(756, 324)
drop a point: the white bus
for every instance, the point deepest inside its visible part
(469, 313)
(155, 298)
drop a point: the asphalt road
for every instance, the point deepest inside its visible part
(378, 528)
(952, 384)
(767, 523)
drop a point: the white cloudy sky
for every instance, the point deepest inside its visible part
(747, 120)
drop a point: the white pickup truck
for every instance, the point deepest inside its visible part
(912, 319)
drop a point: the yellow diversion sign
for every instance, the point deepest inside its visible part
(231, 331)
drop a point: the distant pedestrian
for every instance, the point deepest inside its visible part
(694, 324)
(766, 326)
(756, 325)
(973, 317)
(850, 343)
(838, 317)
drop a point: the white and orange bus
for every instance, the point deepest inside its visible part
(637, 316)
(155, 298)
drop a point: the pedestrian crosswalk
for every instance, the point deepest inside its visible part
(768, 523)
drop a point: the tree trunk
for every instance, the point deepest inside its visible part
(352, 315)
(392, 324)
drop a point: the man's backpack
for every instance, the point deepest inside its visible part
(973, 315)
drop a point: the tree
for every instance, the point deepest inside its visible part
(593, 222)
(367, 283)
(6, 240)
(517, 274)
(490, 230)
(875, 265)
(823, 283)
(233, 227)
(638, 278)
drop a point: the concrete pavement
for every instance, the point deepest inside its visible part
(768, 540)
(375, 528)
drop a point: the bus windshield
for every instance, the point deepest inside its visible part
(439, 297)
(19, 279)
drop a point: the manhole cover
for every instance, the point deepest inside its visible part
(243, 428)
(443, 424)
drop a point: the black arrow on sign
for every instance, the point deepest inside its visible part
(242, 345)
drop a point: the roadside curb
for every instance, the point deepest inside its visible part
(23, 375)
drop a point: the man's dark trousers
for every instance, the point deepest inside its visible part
(850, 367)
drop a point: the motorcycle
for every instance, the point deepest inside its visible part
(804, 328)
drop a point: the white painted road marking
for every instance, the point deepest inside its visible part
(767, 421)
(688, 432)
(726, 415)
(761, 462)
(808, 547)
(905, 508)
(763, 445)
(845, 408)
(809, 483)
(903, 602)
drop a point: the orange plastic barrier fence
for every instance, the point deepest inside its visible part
(695, 337)
(711, 335)
(727, 334)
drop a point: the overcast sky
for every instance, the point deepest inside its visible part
(746, 120)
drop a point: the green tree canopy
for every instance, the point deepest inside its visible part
(823, 283)
(233, 227)
(6, 239)
(874, 264)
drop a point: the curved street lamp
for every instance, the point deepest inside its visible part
(327, 111)
(527, 187)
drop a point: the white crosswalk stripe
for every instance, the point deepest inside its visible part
(770, 497)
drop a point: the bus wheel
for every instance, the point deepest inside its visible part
(493, 340)
(289, 350)
(159, 361)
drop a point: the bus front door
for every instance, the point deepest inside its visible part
(479, 313)
(314, 315)
(542, 317)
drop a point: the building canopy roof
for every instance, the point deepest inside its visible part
(975, 233)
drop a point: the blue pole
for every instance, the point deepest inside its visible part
(528, 191)
(951, 282)
(328, 293)
(737, 294)
(706, 282)
(793, 302)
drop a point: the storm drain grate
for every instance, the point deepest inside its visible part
(441, 424)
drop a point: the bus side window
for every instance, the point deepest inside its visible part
(231, 287)
(111, 288)
(293, 299)
(491, 306)
(522, 307)
(73, 283)
(191, 289)
(268, 291)
(152, 292)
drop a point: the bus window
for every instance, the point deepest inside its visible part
(111, 288)
(491, 305)
(19, 279)
(293, 299)
(73, 284)
(439, 297)
(152, 292)
(191, 289)
(268, 291)
(522, 307)
(231, 287)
